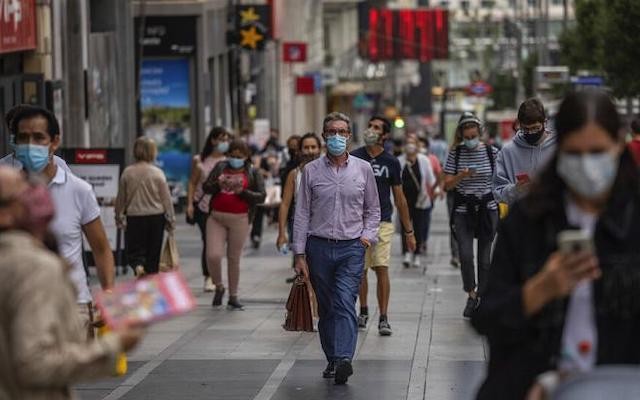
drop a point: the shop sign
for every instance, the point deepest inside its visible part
(17, 25)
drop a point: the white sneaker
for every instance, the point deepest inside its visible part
(417, 262)
(407, 260)
(208, 285)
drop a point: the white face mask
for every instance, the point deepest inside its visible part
(589, 175)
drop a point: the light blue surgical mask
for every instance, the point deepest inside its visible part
(472, 143)
(223, 147)
(589, 175)
(236, 163)
(336, 145)
(32, 156)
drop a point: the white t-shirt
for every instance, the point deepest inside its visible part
(76, 206)
(580, 334)
(11, 161)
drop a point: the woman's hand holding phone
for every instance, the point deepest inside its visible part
(562, 272)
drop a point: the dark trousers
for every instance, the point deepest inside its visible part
(465, 235)
(258, 220)
(452, 238)
(201, 221)
(336, 270)
(421, 222)
(143, 240)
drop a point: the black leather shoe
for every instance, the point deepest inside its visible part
(330, 371)
(343, 371)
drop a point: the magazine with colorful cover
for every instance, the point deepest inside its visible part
(143, 301)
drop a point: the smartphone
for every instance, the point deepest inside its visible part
(523, 178)
(473, 168)
(575, 241)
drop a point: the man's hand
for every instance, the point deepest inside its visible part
(281, 241)
(301, 267)
(190, 211)
(411, 241)
(365, 242)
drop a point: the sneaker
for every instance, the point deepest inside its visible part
(234, 305)
(208, 285)
(384, 329)
(417, 263)
(470, 308)
(330, 371)
(217, 298)
(343, 371)
(362, 321)
(407, 260)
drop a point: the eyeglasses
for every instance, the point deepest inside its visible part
(341, 132)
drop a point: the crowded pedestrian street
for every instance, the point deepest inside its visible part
(319, 200)
(220, 354)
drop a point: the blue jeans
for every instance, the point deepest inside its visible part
(336, 269)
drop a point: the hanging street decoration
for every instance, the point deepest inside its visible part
(253, 26)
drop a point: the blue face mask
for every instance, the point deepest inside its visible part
(236, 163)
(336, 145)
(472, 143)
(223, 147)
(32, 156)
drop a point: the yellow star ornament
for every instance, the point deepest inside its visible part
(250, 37)
(249, 15)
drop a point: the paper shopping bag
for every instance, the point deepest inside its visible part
(169, 258)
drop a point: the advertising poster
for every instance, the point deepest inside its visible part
(166, 117)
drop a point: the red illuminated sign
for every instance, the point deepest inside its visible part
(305, 85)
(89, 156)
(17, 25)
(412, 34)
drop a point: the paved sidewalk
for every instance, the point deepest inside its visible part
(219, 354)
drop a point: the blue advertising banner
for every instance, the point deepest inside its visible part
(166, 117)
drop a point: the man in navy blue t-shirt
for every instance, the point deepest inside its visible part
(387, 171)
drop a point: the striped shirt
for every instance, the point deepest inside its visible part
(479, 184)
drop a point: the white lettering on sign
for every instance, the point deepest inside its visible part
(11, 9)
(380, 171)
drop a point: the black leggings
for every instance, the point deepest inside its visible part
(143, 241)
(201, 220)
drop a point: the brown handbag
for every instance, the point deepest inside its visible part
(299, 316)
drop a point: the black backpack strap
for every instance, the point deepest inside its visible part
(492, 159)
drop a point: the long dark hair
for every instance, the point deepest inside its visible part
(215, 133)
(577, 110)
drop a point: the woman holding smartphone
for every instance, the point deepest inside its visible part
(567, 310)
(468, 174)
(236, 188)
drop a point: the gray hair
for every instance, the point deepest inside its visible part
(336, 116)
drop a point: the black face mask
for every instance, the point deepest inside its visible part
(533, 138)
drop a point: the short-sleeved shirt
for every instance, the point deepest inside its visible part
(479, 184)
(75, 205)
(387, 171)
